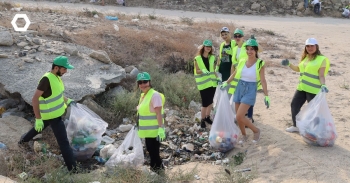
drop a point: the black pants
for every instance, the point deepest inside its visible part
(299, 98)
(152, 146)
(60, 133)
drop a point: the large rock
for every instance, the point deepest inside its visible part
(5, 37)
(3, 165)
(86, 79)
(101, 56)
(6, 180)
(255, 6)
(11, 130)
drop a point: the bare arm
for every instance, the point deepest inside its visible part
(35, 103)
(198, 71)
(231, 77)
(321, 75)
(233, 68)
(218, 62)
(294, 67)
(158, 111)
(263, 81)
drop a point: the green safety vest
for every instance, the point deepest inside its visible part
(53, 106)
(309, 80)
(241, 64)
(242, 54)
(148, 123)
(233, 43)
(204, 81)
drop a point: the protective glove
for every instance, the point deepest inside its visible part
(39, 125)
(161, 134)
(218, 81)
(205, 71)
(324, 88)
(267, 101)
(71, 101)
(285, 62)
(217, 69)
(223, 85)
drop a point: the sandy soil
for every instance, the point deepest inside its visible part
(281, 156)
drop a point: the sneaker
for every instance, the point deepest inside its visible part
(292, 129)
(208, 120)
(243, 139)
(256, 136)
(203, 125)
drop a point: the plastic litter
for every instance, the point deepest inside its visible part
(2, 146)
(111, 18)
(107, 140)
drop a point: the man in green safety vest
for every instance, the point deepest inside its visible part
(49, 104)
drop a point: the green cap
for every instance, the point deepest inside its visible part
(238, 31)
(207, 43)
(252, 41)
(63, 62)
(143, 76)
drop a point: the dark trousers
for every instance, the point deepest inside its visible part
(250, 112)
(60, 133)
(299, 98)
(152, 146)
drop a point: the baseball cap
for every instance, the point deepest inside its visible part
(63, 62)
(239, 31)
(311, 41)
(225, 29)
(207, 43)
(143, 76)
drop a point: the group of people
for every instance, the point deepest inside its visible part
(242, 74)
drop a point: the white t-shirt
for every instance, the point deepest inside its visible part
(249, 74)
(156, 101)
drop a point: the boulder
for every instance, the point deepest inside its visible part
(5, 37)
(71, 50)
(3, 167)
(255, 6)
(11, 130)
(100, 55)
(4, 179)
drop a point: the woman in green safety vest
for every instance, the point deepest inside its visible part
(249, 74)
(238, 53)
(313, 68)
(206, 79)
(151, 119)
(224, 62)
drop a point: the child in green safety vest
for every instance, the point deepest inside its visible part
(224, 62)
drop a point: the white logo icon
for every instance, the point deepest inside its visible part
(26, 19)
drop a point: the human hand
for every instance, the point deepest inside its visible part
(161, 134)
(218, 81)
(205, 71)
(324, 88)
(39, 125)
(285, 62)
(267, 101)
(71, 102)
(223, 85)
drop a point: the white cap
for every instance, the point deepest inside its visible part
(225, 29)
(311, 41)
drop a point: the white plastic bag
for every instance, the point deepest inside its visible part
(216, 99)
(130, 152)
(84, 131)
(224, 132)
(315, 122)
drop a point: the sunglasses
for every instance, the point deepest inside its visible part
(237, 36)
(142, 82)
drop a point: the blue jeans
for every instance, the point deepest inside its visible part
(306, 3)
(59, 130)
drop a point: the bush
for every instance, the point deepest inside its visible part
(125, 104)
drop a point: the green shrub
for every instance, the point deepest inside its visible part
(125, 104)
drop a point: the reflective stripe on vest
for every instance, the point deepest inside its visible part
(309, 80)
(53, 106)
(204, 81)
(148, 123)
(233, 43)
(241, 64)
(242, 54)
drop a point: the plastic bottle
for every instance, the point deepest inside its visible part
(82, 140)
(2, 146)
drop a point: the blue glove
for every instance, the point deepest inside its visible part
(223, 85)
(324, 88)
(205, 71)
(285, 62)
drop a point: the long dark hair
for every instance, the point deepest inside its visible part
(201, 51)
(256, 49)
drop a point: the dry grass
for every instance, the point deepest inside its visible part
(6, 6)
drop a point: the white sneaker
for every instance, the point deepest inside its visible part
(243, 139)
(292, 129)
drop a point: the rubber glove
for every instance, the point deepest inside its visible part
(217, 69)
(223, 85)
(267, 101)
(205, 71)
(161, 134)
(285, 62)
(39, 125)
(218, 81)
(71, 101)
(324, 88)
